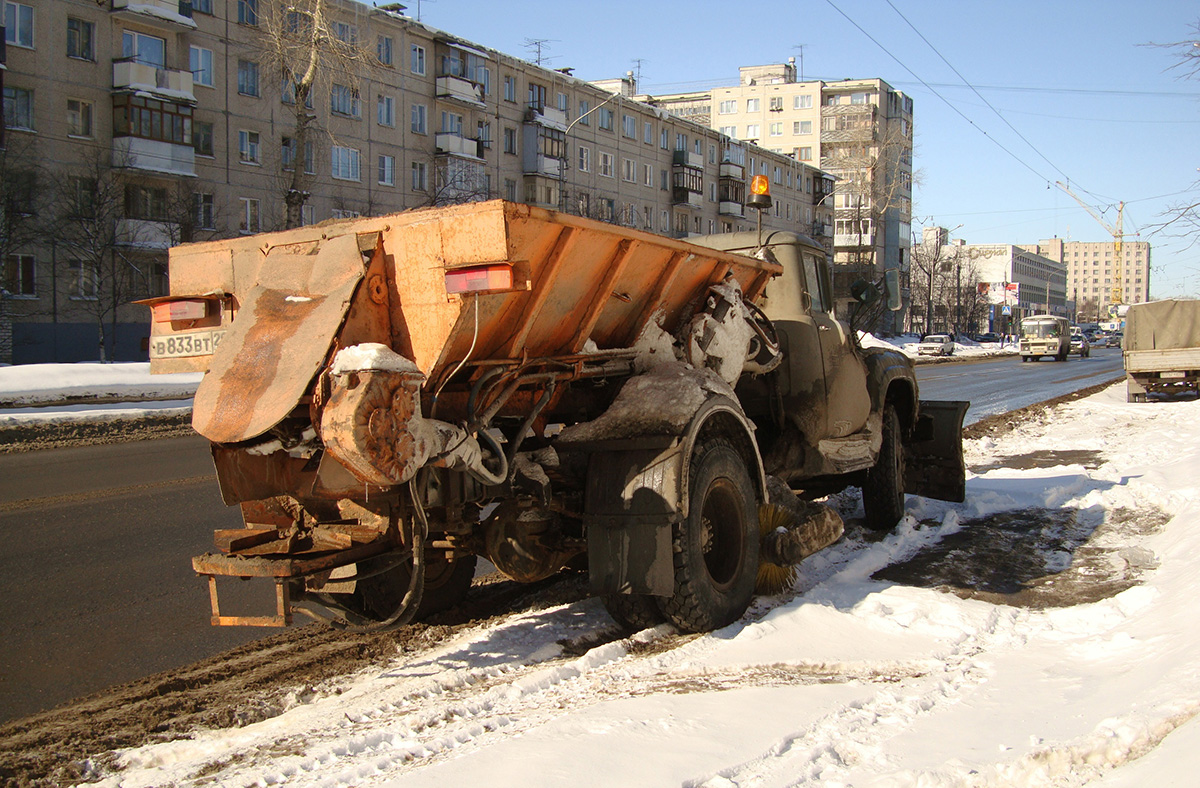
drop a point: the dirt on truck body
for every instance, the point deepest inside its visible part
(389, 398)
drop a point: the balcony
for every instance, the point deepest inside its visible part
(129, 75)
(154, 156)
(854, 240)
(546, 116)
(685, 198)
(733, 171)
(729, 208)
(456, 145)
(687, 159)
(147, 234)
(537, 163)
(173, 15)
(460, 91)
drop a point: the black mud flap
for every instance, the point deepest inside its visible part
(933, 455)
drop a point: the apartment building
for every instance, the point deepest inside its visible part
(1095, 271)
(1016, 282)
(131, 126)
(859, 131)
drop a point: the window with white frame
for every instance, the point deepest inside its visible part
(416, 59)
(343, 100)
(201, 64)
(584, 108)
(420, 176)
(606, 164)
(247, 14)
(775, 130)
(79, 118)
(385, 111)
(248, 147)
(204, 214)
(18, 24)
(629, 126)
(81, 39)
(804, 101)
(753, 105)
(775, 103)
(383, 50)
(344, 163)
(345, 32)
(144, 49)
(83, 280)
(727, 107)
(510, 88)
(308, 215)
(585, 159)
(629, 170)
(647, 175)
(418, 119)
(452, 123)
(648, 132)
(802, 127)
(510, 140)
(753, 131)
(247, 84)
(250, 222)
(19, 276)
(729, 131)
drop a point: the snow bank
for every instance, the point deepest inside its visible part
(34, 384)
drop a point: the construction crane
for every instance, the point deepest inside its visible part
(1117, 297)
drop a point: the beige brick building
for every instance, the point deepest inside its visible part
(130, 126)
(860, 131)
(1094, 269)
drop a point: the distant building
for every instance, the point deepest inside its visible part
(858, 130)
(158, 122)
(1093, 268)
(1016, 283)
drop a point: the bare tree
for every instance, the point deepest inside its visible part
(23, 204)
(310, 48)
(1182, 219)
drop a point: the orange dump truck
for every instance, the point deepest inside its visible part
(390, 398)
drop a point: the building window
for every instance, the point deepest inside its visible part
(510, 88)
(202, 138)
(510, 140)
(775, 104)
(483, 133)
(250, 217)
(18, 24)
(287, 153)
(247, 13)
(383, 50)
(752, 105)
(510, 190)
(584, 118)
(629, 170)
(647, 176)
(452, 123)
(204, 215)
(629, 126)
(248, 151)
(420, 176)
(585, 159)
(606, 118)
(417, 59)
(201, 64)
(344, 163)
(664, 137)
(729, 131)
(144, 49)
(606, 164)
(83, 280)
(152, 119)
(802, 127)
(648, 133)
(680, 141)
(81, 39)
(387, 170)
(344, 101)
(79, 118)
(802, 102)
(385, 111)
(728, 107)
(19, 279)
(247, 77)
(346, 33)
(775, 130)
(202, 6)
(753, 130)
(418, 123)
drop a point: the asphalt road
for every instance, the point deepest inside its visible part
(95, 572)
(1007, 383)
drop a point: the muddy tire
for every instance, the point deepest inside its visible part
(634, 612)
(716, 546)
(883, 491)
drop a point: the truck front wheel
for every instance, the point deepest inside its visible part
(634, 612)
(716, 546)
(883, 491)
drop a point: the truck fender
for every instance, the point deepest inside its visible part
(637, 483)
(933, 454)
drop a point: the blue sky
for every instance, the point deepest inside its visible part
(1070, 89)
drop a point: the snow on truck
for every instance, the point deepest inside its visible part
(390, 398)
(1162, 348)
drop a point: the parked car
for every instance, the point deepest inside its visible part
(1114, 339)
(936, 345)
(988, 337)
(1080, 343)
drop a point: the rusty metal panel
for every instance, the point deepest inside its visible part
(278, 341)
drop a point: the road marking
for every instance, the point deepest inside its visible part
(93, 495)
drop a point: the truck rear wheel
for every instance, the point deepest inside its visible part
(883, 491)
(634, 612)
(716, 546)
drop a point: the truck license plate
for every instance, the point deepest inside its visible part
(197, 343)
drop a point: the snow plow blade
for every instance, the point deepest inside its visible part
(933, 457)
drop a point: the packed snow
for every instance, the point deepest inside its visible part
(845, 680)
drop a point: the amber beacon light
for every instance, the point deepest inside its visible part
(760, 193)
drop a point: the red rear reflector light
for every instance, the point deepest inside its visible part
(497, 276)
(168, 311)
